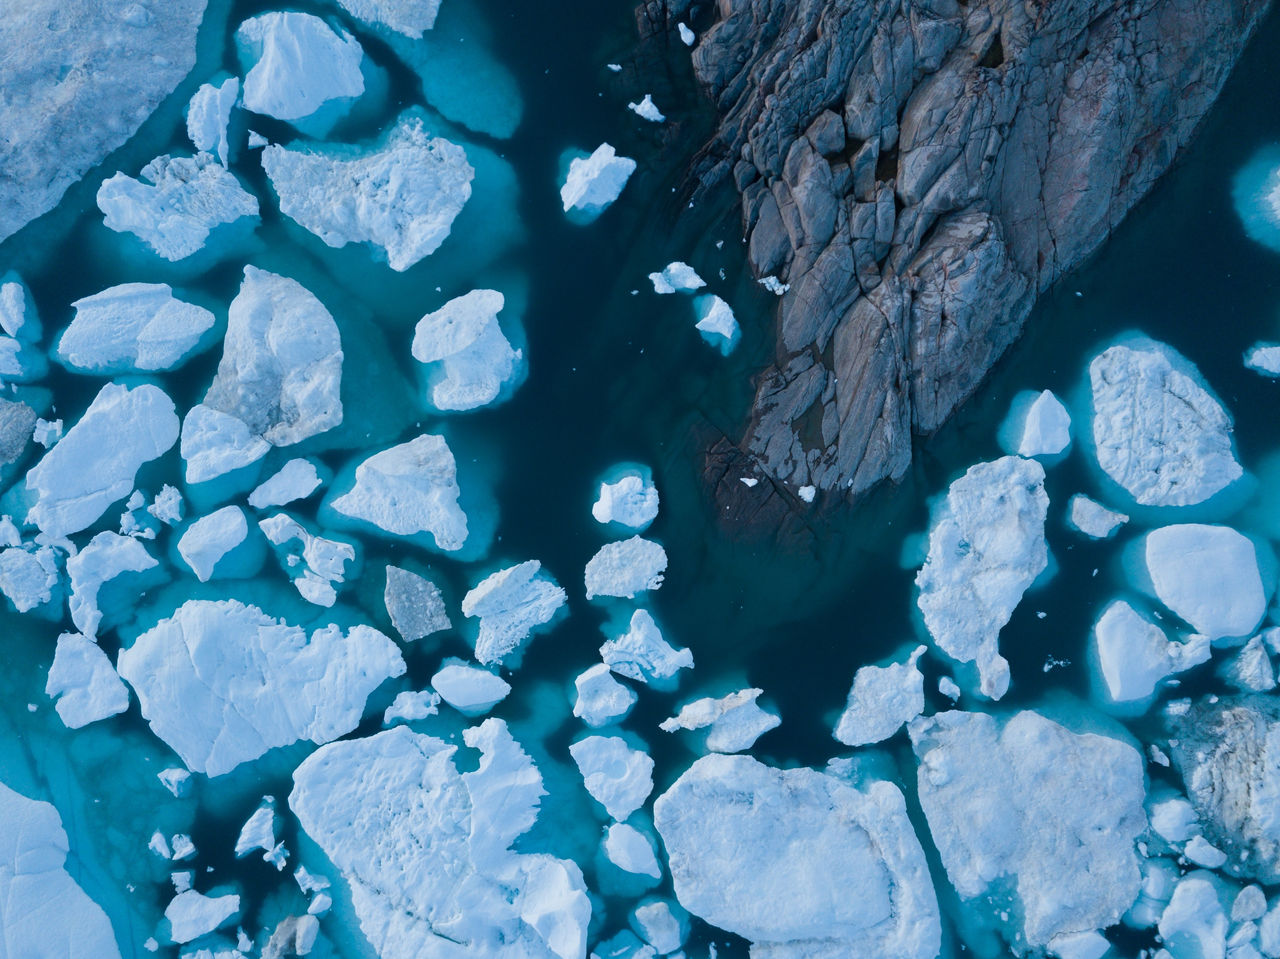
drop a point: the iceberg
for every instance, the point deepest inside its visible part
(411, 707)
(618, 777)
(222, 683)
(105, 558)
(29, 576)
(600, 698)
(677, 277)
(735, 721)
(1209, 576)
(216, 443)
(1250, 670)
(642, 654)
(1033, 810)
(594, 182)
(986, 547)
(21, 359)
(511, 604)
(413, 18)
(95, 464)
(316, 565)
(1038, 425)
(208, 541)
(176, 204)
(1135, 656)
(425, 850)
(1255, 192)
(133, 328)
(402, 197)
(1194, 924)
(469, 360)
(662, 924)
(626, 568)
(716, 323)
(281, 367)
(646, 109)
(296, 480)
(882, 700)
(1263, 358)
(630, 501)
(468, 689)
(631, 850)
(192, 914)
(1091, 518)
(84, 683)
(297, 64)
(208, 115)
(414, 604)
(840, 868)
(1156, 430)
(259, 831)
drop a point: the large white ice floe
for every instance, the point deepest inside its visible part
(176, 203)
(281, 367)
(600, 699)
(407, 490)
(618, 777)
(43, 912)
(297, 64)
(316, 565)
(641, 653)
(222, 682)
(1135, 656)
(733, 722)
(401, 196)
(1209, 576)
(208, 115)
(104, 558)
(882, 699)
(413, 18)
(628, 499)
(1157, 431)
(414, 604)
(210, 539)
(426, 852)
(986, 547)
(469, 360)
(95, 464)
(840, 868)
(510, 605)
(468, 689)
(1091, 518)
(84, 683)
(215, 443)
(132, 328)
(1035, 811)
(594, 182)
(626, 568)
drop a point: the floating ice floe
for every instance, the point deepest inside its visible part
(84, 683)
(661, 924)
(841, 868)
(96, 462)
(167, 507)
(192, 914)
(642, 654)
(296, 480)
(29, 576)
(407, 490)
(316, 565)
(630, 500)
(594, 182)
(716, 323)
(687, 36)
(1135, 656)
(1250, 669)
(646, 109)
(1091, 518)
(469, 360)
(423, 884)
(1263, 358)
(43, 912)
(176, 204)
(626, 568)
(216, 443)
(468, 689)
(259, 832)
(882, 699)
(618, 777)
(133, 328)
(733, 722)
(601, 699)
(401, 197)
(21, 359)
(413, 18)
(1038, 425)
(1036, 812)
(281, 367)
(208, 115)
(222, 683)
(986, 547)
(297, 64)
(106, 557)
(414, 604)
(1156, 430)
(1255, 191)
(210, 540)
(676, 277)
(511, 604)
(631, 850)
(1209, 576)
(411, 707)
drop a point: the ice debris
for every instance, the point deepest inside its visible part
(1038, 426)
(132, 328)
(733, 722)
(626, 568)
(676, 277)
(413, 18)
(646, 109)
(411, 707)
(469, 360)
(216, 443)
(642, 654)
(316, 565)
(511, 604)
(716, 323)
(1263, 358)
(207, 541)
(192, 914)
(631, 850)
(103, 559)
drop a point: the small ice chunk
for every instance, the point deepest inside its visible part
(646, 109)
(601, 699)
(315, 564)
(717, 323)
(947, 686)
(1194, 922)
(687, 36)
(1250, 669)
(736, 720)
(642, 654)
(411, 707)
(176, 780)
(159, 845)
(626, 568)
(18, 317)
(105, 557)
(1173, 819)
(511, 604)
(1044, 428)
(409, 489)
(662, 925)
(677, 277)
(47, 432)
(259, 830)
(807, 493)
(748, 481)
(631, 500)
(413, 18)
(84, 683)
(28, 577)
(192, 915)
(297, 63)
(308, 881)
(216, 443)
(613, 67)
(1204, 853)
(167, 507)
(774, 285)
(1263, 358)
(593, 183)
(296, 480)
(1080, 945)
(468, 689)
(1209, 576)
(882, 699)
(256, 140)
(631, 850)
(1250, 904)
(206, 541)
(414, 604)
(1091, 518)
(132, 328)
(469, 359)
(208, 114)
(176, 203)
(1135, 655)
(618, 777)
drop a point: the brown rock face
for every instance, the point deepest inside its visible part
(919, 171)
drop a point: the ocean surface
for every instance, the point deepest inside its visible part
(615, 374)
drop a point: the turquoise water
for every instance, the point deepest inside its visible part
(612, 377)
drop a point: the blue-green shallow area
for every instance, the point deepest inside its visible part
(613, 376)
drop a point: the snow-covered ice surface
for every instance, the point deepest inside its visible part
(882, 699)
(469, 361)
(594, 182)
(510, 605)
(133, 328)
(208, 115)
(1209, 576)
(296, 64)
(733, 722)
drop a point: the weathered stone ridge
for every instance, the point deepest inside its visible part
(918, 171)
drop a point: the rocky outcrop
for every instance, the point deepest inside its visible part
(918, 171)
